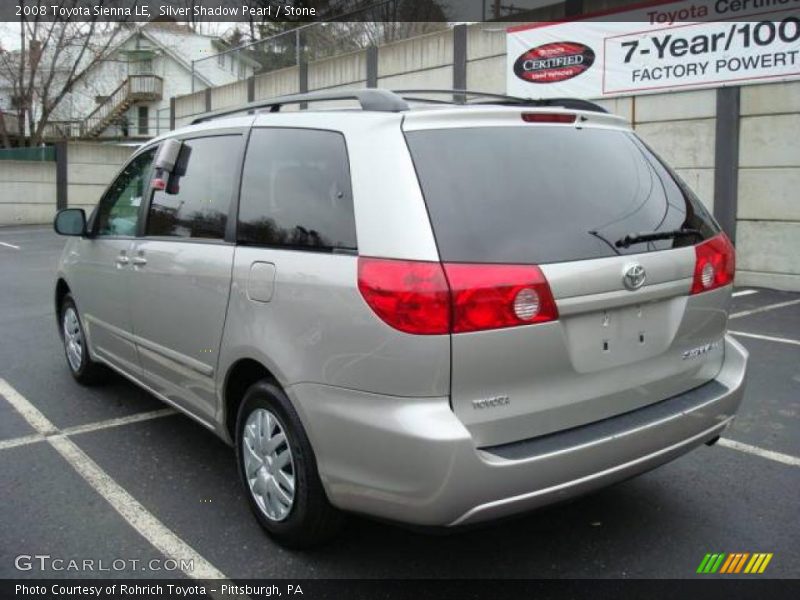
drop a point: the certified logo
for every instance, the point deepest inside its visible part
(634, 277)
(554, 62)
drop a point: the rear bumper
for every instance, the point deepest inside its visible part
(411, 460)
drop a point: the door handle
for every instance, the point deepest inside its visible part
(122, 260)
(139, 261)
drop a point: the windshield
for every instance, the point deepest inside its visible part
(549, 194)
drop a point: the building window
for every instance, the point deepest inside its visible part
(221, 61)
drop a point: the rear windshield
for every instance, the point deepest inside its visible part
(548, 193)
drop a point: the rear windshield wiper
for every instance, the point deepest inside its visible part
(639, 238)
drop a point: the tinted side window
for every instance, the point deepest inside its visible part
(118, 212)
(200, 208)
(296, 191)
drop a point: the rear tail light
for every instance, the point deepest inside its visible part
(548, 118)
(431, 298)
(715, 264)
(410, 296)
(495, 296)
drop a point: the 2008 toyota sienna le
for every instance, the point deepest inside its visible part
(432, 313)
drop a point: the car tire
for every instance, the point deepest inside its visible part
(279, 473)
(80, 363)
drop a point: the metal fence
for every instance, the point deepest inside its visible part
(302, 43)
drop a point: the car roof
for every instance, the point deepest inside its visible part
(417, 116)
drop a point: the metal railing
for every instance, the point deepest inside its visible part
(120, 127)
(134, 88)
(58, 130)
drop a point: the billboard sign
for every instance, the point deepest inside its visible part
(656, 48)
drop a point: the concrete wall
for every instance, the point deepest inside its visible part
(768, 226)
(28, 189)
(28, 192)
(90, 168)
(486, 58)
(421, 62)
(347, 70)
(228, 95)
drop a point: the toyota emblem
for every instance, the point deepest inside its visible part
(634, 277)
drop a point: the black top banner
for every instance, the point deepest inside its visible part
(265, 10)
(419, 11)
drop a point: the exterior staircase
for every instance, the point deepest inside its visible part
(136, 88)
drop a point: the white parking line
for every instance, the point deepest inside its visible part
(142, 520)
(9, 245)
(756, 451)
(744, 293)
(761, 309)
(768, 338)
(9, 231)
(87, 428)
(22, 441)
(138, 417)
(29, 412)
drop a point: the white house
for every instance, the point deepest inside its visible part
(128, 94)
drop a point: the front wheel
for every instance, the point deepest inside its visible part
(81, 365)
(279, 471)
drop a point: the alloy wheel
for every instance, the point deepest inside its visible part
(73, 339)
(268, 464)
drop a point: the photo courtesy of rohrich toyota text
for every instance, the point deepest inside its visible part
(399, 299)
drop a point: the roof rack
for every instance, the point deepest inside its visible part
(462, 97)
(379, 100)
(369, 99)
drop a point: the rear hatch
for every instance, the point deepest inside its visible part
(563, 195)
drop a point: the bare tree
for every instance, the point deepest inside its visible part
(52, 56)
(394, 20)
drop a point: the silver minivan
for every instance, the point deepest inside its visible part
(434, 313)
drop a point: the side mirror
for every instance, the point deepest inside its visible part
(70, 221)
(167, 155)
(181, 166)
(170, 165)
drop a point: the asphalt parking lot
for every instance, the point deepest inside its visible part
(173, 486)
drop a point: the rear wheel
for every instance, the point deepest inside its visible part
(81, 365)
(279, 471)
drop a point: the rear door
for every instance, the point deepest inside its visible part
(562, 197)
(181, 273)
(293, 271)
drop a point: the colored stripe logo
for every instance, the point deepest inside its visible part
(737, 562)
